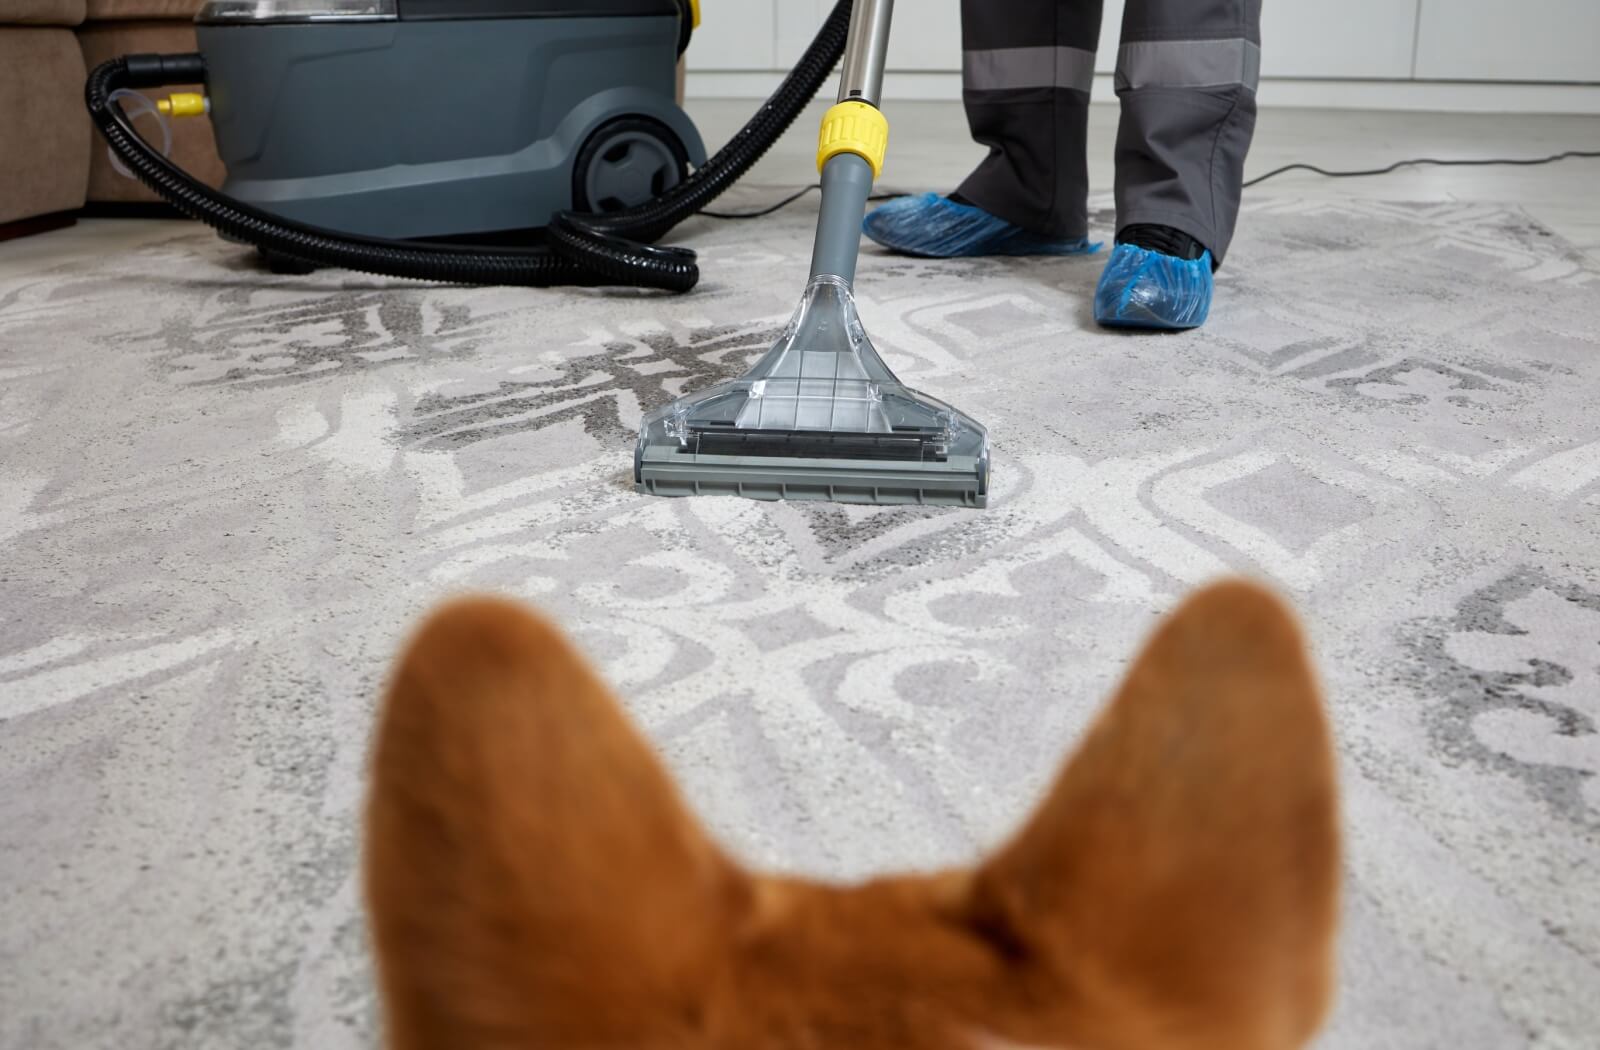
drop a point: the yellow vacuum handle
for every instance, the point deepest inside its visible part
(854, 127)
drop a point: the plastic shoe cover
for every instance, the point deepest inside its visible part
(935, 227)
(1145, 289)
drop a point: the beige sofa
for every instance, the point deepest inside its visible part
(44, 162)
(53, 163)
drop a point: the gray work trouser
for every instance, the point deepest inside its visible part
(1186, 74)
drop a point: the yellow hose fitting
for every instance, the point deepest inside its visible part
(184, 104)
(854, 127)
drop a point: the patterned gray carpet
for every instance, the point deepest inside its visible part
(224, 496)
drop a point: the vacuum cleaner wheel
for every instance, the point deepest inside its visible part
(277, 262)
(627, 162)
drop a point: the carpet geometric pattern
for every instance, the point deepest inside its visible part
(225, 496)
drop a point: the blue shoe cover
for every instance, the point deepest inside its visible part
(1145, 289)
(935, 227)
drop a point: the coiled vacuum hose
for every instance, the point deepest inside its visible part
(613, 248)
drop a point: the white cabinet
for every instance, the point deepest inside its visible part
(1349, 39)
(735, 34)
(1357, 39)
(926, 36)
(798, 21)
(1365, 39)
(1354, 41)
(1553, 40)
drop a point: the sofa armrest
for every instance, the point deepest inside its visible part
(44, 163)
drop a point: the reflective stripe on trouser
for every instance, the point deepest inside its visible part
(1186, 75)
(1027, 66)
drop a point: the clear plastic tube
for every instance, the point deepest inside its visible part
(136, 105)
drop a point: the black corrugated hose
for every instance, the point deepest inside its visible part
(614, 248)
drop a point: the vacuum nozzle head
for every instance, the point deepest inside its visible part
(820, 416)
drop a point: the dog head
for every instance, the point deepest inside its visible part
(535, 880)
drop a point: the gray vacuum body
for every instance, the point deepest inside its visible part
(438, 118)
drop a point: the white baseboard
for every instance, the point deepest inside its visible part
(1431, 95)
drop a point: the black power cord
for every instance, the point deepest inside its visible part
(1524, 162)
(796, 195)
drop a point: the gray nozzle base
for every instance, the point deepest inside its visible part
(666, 472)
(846, 185)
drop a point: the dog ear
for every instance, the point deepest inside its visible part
(1179, 884)
(532, 876)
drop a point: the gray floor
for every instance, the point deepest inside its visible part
(930, 150)
(225, 496)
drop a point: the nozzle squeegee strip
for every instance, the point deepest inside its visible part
(961, 483)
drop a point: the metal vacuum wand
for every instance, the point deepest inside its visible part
(854, 140)
(866, 52)
(821, 416)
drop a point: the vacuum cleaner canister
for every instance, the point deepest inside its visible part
(441, 118)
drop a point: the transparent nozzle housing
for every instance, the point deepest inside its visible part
(820, 395)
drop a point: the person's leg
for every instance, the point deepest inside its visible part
(1026, 70)
(1186, 75)
(1027, 67)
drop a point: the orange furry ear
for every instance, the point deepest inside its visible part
(1182, 876)
(529, 865)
